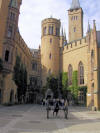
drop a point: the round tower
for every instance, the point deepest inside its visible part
(50, 43)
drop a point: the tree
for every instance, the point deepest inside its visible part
(64, 80)
(20, 78)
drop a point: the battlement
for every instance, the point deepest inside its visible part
(75, 45)
(51, 20)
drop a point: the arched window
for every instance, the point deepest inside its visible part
(70, 71)
(81, 73)
(50, 30)
(50, 56)
(92, 64)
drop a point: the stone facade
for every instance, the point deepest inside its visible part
(79, 50)
(11, 46)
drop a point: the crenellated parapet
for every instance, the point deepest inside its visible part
(75, 45)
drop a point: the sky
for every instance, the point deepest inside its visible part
(32, 12)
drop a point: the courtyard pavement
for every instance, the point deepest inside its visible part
(32, 119)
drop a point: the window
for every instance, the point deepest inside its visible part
(57, 31)
(50, 56)
(81, 73)
(50, 40)
(6, 55)
(70, 71)
(10, 30)
(76, 17)
(44, 31)
(34, 66)
(12, 16)
(51, 30)
(74, 29)
(72, 18)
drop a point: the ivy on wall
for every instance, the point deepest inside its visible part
(75, 84)
(74, 88)
(64, 80)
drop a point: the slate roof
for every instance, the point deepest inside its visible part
(75, 4)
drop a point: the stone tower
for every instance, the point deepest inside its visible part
(11, 12)
(50, 44)
(75, 14)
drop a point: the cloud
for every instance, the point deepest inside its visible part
(34, 11)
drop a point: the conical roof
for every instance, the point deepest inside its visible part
(14, 3)
(75, 4)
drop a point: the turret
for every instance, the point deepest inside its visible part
(50, 44)
(75, 14)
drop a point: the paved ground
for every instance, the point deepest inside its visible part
(32, 119)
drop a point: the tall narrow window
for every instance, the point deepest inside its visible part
(81, 73)
(50, 56)
(51, 30)
(57, 31)
(74, 29)
(10, 30)
(6, 55)
(50, 40)
(70, 71)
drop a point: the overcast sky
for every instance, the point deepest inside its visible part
(34, 11)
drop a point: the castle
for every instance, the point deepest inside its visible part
(54, 56)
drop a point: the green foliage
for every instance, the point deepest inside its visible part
(20, 78)
(75, 84)
(1, 64)
(64, 80)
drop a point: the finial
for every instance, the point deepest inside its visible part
(89, 28)
(94, 24)
(62, 32)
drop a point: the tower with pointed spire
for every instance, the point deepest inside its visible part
(75, 14)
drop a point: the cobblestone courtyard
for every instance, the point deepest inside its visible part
(32, 119)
